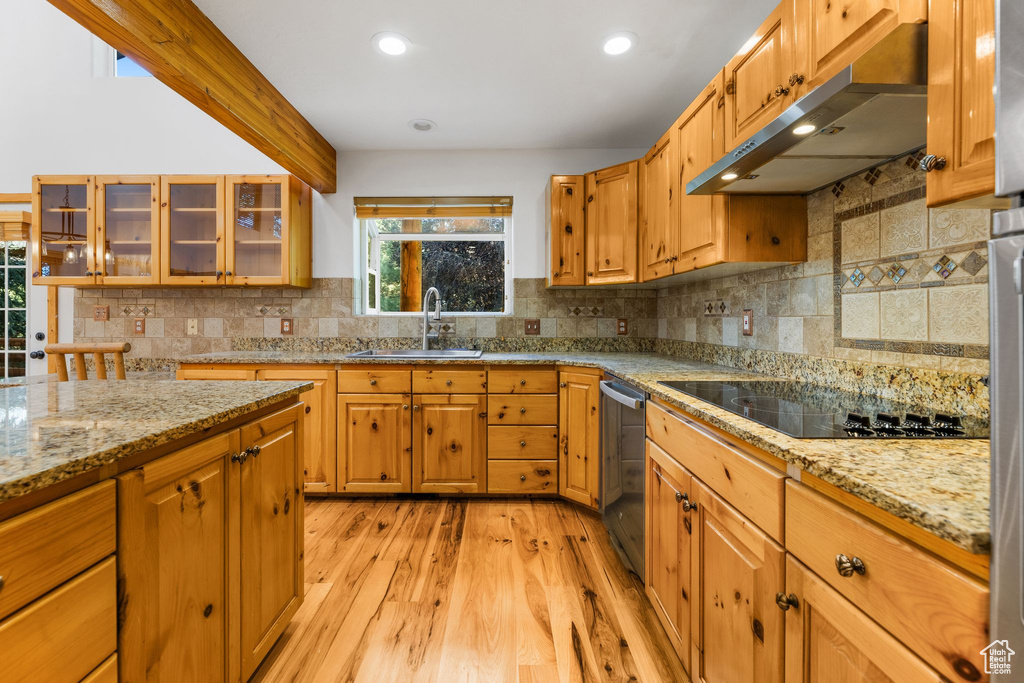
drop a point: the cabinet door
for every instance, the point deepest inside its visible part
(829, 639)
(270, 544)
(177, 564)
(319, 443)
(668, 533)
(374, 443)
(657, 216)
(832, 35)
(258, 217)
(449, 451)
(567, 230)
(579, 423)
(757, 78)
(128, 230)
(699, 142)
(737, 571)
(192, 230)
(63, 230)
(961, 106)
(612, 225)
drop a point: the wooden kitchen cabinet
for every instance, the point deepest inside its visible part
(737, 570)
(658, 219)
(192, 230)
(271, 523)
(961, 105)
(268, 231)
(128, 230)
(217, 373)
(579, 426)
(757, 79)
(611, 215)
(566, 230)
(319, 445)
(63, 230)
(449, 439)
(668, 533)
(829, 639)
(375, 443)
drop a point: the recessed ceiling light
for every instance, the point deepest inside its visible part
(729, 176)
(619, 43)
(805, 129)
(389, 43)
(422, 125)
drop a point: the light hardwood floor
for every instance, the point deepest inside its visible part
(457, 590)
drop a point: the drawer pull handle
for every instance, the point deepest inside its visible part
(786, 601)
(373, 382)
(848, 566)
(522, 477)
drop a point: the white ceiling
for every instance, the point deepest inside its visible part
(493, 74)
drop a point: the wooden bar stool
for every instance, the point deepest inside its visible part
(98, 352)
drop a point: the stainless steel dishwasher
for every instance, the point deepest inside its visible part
(622, 460)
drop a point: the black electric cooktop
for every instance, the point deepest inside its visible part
(808, 411)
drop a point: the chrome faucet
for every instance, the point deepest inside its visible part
(426, 312)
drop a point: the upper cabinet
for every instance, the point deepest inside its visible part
(658, 222)
(172, 230)
(567, 230)
(611, 215)
(961, 107)
(757, 79)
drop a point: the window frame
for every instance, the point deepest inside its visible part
(370, 264)
(5, 310)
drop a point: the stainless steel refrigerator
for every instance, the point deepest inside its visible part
(1006, 289)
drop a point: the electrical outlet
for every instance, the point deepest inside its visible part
(286, 326)
(193, 327)
(139, 326)
(748, 322)
(622, 327)
(101, 312)
(532, 326)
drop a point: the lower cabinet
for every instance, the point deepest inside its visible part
(374, 443)
(829, 639)
(210, 554)
(737, 572)
(579, 428)
(449, 443)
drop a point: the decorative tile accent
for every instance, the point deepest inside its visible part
(904, 315)
(973, 263)
(586, 311)
(920, 270)
(860, 316)
(896, 272)
(948, 227)
(860, 239)
(904, 229)
(838, 189)
(716, 308)
(944, 266)
(872, 175)
(958, 315)
(914, 160)
(875, 275)
(857, 277)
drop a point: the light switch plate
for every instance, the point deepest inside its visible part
(193, 327)
(748, 322)
(286, 326)
(101, 312)
(622, 327)
(532, 326)
(139, 326)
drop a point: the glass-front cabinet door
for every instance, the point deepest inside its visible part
(192, 244)
(257, 229)
(128, 230)
(63, 217)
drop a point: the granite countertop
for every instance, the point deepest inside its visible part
(53, 431)
(941, 486)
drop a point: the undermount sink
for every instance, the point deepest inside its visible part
(414, 354)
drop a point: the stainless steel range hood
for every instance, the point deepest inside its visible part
(873, 110)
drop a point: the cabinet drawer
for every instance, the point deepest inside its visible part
(522, 476)
(522, 382)
(45, 547)
(527, 409)
(105, 672)
(934, 609)
(449, 381)
(225, 373)
(67, 633)
(522, 443)
(374, 381)
(749, 485)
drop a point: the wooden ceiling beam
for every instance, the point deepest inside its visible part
(181, 47)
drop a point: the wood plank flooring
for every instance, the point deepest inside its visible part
(457, 590)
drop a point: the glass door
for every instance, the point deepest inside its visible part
(192, 220)
(63, 225)
(258, 215)
(128, 230)
(13, 309)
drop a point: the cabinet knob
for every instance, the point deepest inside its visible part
(781, 91)
(308, 409)
(522, 444)
(786, 601)
(522, 382)
(405, 406)
(373, 382)
(219, 273)
(568, 228)
(848, 566)
(383, 476)
(562, 384)
(522, 477)
(522, 411)
(236, 457)
(930, 162)
(796, 79)
(416, 407)
(590, 273)
(228, 273)
(448, 383)
(679, 497)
